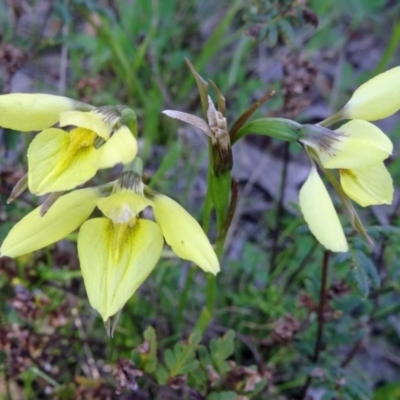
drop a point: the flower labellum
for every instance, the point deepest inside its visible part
(118, 251)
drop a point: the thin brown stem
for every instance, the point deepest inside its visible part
(321, 321)
(352, 353)
(321, 308)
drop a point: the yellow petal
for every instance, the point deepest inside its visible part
(120, 148)
(183, 233)
(363, 144)
(90, 120)
(57, 163)
(122, 206)
(320, 215)
(368, 186)
(115, 260)
(34, 231)
(32, 112)
(376, 99)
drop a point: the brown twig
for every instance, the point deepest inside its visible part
(321, 321)
(322, 300)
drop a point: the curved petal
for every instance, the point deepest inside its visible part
(368, 186)
(122, 206)
(56, 166)
(320, 215)
(363, 144)
(120, 148)
(376, 99)
(115, 260)
(183, 233)
(32, 112)
(87, 119)
(34, 231)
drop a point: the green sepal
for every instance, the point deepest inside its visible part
(279, 128)
(128, 118)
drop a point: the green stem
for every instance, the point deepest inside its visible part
(211, 286)
(332, 119)
(184, 295)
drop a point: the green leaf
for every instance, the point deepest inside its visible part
(226, 395)
(286, 31)
(369, 268)
(221, 102)
(388, 391)
(162, 375)
(151, 357)
(204, 356)
(272, 35)
(221, 349)
(242, 119)
(359, 279)
(189, 367)
(169, 358)
(195, 339)
(182, 359)
(202, 85)
(364, 273)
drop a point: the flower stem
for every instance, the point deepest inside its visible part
(332, 119)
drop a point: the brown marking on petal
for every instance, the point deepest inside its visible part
(349, 173)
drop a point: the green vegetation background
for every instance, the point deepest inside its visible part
(270, 337)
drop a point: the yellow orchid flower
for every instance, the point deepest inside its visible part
(36, 231)
(118, 251)
(61, 159)
(357, 149)
(358, 152)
